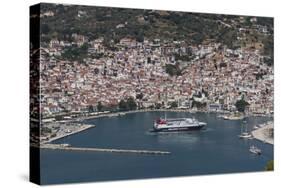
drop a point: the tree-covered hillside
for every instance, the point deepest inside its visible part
(116, 23)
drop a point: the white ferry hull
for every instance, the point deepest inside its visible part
(176, 129)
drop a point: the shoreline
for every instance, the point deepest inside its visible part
(121, 113)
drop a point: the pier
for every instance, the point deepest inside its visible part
(109, 150)
(63, 135)
(263, 133)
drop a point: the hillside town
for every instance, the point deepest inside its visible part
(80, 74)
(212, 77)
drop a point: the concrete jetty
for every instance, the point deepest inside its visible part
(70, 148)
(262, 133)
(80, 129)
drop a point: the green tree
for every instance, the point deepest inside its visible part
(174, 104)
(100, 106)
(173, 70)
(90, 108)
(122, 105)
(268, 51)
(132, 105)
(129, 104)
(157, 105)
(183, 57)
(241, 104)
(75, 53)
(198, 104)
(139, 96)
(96, 71)
(140, 37)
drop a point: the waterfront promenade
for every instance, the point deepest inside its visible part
(82, 117)
(114, 114)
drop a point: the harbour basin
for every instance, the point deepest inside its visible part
(212, 150)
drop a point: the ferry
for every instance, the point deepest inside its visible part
(177, 124)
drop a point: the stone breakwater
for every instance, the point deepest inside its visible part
(110, 150)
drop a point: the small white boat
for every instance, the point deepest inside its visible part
(245, 135)
(233, 117)
(255, 127)
(220, 116)
(261, 125)
(68, 131)
(255, 150)
(65, 145)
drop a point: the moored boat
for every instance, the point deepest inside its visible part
(255, 150)
(244, 132)
(233, 117)
(245, 135)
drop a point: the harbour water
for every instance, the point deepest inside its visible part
(215, 149)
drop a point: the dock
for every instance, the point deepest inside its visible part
(81, 129)
(70, 148)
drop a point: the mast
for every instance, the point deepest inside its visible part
(246, 127)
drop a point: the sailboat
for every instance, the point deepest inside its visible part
(255, 150)
(244, 133)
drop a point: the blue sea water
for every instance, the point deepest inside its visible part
(216, 149)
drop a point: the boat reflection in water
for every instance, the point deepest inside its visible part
(244, 131)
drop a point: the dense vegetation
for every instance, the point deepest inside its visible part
(194, 28)
(173, 70)
(100, 106)
(128, 104)
(174, 104)
(75, 53)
